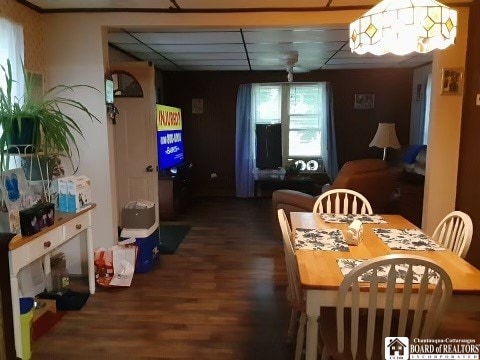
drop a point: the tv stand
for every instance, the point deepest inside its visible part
(174, 191)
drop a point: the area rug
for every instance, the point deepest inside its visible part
(171, 235)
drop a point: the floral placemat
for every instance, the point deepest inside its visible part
(316, 239)
(346, 265)
(407, 239)
(347, 219)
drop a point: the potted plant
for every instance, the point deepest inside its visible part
(293, 169)
(42, 127)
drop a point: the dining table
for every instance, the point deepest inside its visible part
(320, 266)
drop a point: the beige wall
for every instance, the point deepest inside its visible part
(33, 30)
(444, 134)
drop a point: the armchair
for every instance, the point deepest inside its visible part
(373, 178)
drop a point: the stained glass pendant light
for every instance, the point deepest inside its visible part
(403, 26)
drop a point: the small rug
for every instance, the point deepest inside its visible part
(171, 236)
(69, 301)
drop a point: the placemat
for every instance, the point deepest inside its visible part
(347, 219)
(346, 265)
(407, 239)
(316, 239)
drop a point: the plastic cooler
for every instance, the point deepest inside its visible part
(147, 241)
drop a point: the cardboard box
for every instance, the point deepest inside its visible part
(79, 193)
(139, 215)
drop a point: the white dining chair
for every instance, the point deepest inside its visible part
(455, 232)
(295, 296)
(342, 201)
(357, 335)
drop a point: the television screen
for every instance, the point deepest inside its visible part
(169, 137)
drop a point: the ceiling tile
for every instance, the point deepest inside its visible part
(285, 47)
(201, 48)
(199, 37)
(297, 36)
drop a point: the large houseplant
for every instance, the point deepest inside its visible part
(44, 125)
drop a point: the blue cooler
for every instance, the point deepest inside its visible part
(147, 241)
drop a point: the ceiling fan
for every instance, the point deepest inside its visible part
(291, 59)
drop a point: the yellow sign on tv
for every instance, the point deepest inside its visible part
(168, 118)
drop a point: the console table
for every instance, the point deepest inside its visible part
(23, 250)
(265, 187)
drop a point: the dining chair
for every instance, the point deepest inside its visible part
(342, 201)
(362, 327)
(455, 232)
(295, 296)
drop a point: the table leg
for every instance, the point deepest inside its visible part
(91, 267)
(47, 270)
(313, 313)
(17, 331)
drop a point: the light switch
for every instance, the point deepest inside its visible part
(478, 99)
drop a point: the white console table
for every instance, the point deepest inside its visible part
(23, 250)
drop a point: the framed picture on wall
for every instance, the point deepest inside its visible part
(452, 81)
(364, 101)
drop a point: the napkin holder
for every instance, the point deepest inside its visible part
(354, 233)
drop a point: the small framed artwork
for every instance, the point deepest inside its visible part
(364, 101)
(452, 81)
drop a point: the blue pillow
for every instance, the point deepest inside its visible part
(412, 152)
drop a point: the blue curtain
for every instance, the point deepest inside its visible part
(329, 142)
(244, 141)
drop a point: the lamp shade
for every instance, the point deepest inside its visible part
(385, 136)
(403, 26)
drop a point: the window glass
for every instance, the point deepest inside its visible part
(267, 104)
(298, 108)
(304, 143)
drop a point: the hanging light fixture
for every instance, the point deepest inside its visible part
(404, 26)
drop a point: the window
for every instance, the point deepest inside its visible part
(299, 109)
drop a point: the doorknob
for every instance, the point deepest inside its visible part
(149, 168)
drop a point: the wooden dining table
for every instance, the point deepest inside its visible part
(320, 275)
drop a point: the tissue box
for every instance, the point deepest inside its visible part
(34, 219)
(79, 193)
(62, 193)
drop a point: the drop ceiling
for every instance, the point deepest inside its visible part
(243, 49)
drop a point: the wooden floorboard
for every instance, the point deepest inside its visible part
(220, 296)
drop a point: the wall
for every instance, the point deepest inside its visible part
(33, 32)
(468, 199)
(444, 133)
(210, 137)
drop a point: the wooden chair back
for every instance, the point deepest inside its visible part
(420, 305)
(295, 290)
(455, 232)
(342, 201)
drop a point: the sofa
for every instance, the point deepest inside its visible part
(373, 178)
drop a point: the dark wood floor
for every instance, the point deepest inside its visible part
(221, 296)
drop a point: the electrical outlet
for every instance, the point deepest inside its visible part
(478, 99)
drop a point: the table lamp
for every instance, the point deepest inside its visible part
(385, 137)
